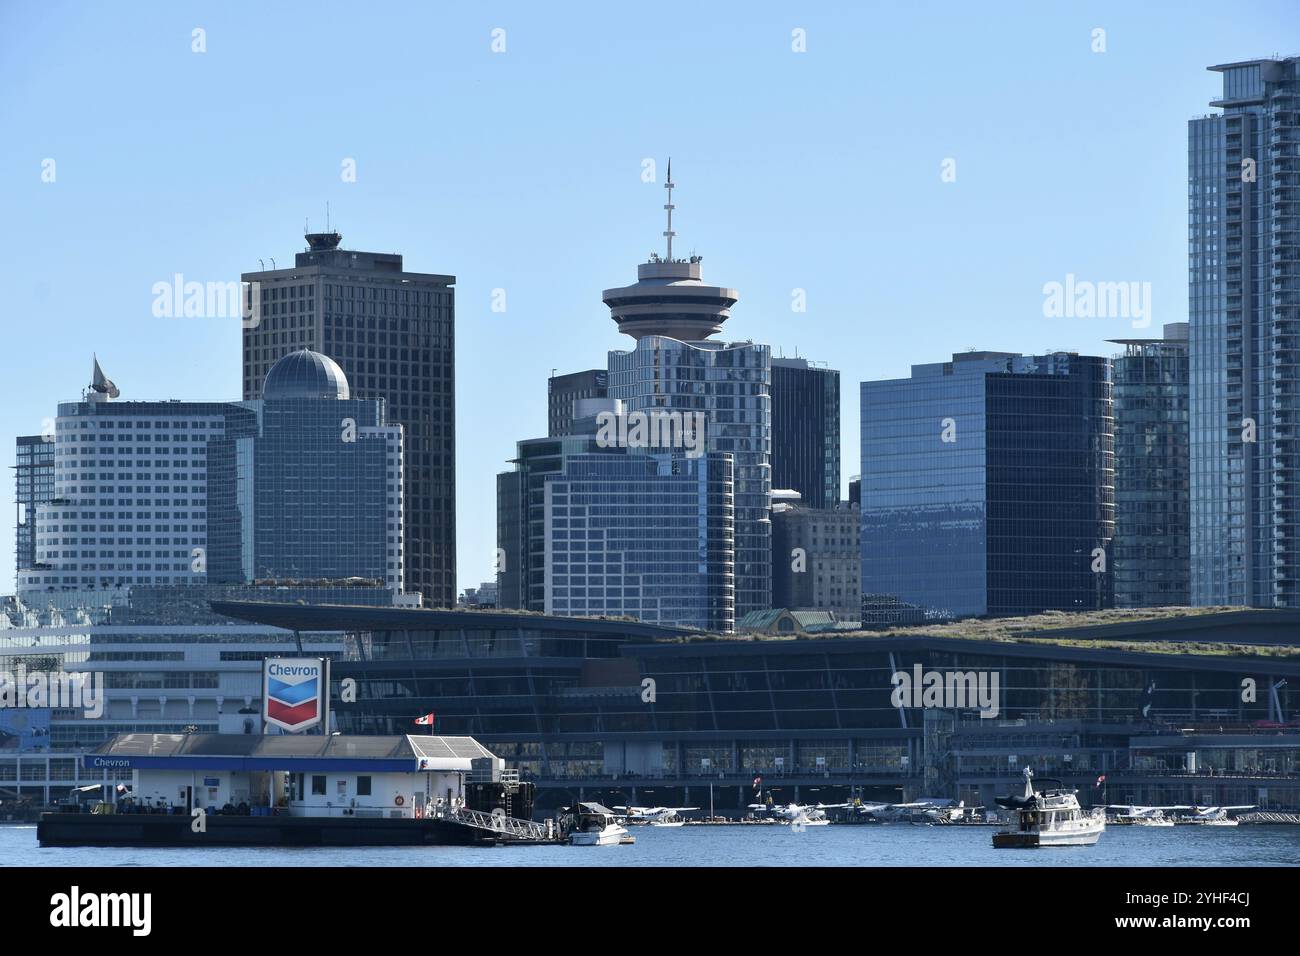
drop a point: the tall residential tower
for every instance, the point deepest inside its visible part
(675, 367)
(1244, 310)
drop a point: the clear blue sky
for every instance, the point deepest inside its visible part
(522, 170)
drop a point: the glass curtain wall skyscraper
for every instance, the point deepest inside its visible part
(393, 334)
(33, 486)
(1244, 311)
(806, 431)
(1151, 471)
(988, 485)
(314, 492)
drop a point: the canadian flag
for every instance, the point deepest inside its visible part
(1100, 781)
(425, 721)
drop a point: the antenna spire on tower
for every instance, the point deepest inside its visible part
(669, 206)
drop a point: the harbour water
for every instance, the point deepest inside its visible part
(896, 845)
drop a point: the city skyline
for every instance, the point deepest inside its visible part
(708, 434)
(762, 229)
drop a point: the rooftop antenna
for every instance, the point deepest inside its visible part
(669, 206)
(327, 215)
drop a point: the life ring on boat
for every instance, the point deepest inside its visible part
(399, 800)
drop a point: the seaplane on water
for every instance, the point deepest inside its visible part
(919, 811)
(1127, 813)
(804, 815)
(1213, 816)
(655, 816)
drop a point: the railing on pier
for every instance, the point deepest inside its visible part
(499, 823)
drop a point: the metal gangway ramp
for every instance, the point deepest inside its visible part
(508, 827)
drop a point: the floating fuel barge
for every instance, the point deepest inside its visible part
(298, 790)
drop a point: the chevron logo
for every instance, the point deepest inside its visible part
(293, 693)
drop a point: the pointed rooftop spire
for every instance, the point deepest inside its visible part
(669, 206)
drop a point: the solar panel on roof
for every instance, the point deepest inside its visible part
(366, 747)
(142, 745)
(289, 745)
(220, 745)
(456, 748)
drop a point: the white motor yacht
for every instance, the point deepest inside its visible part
(1049, 818)
(594, 825)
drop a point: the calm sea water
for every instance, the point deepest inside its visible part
(883, 845)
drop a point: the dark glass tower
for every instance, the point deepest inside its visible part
(393, 334)
(563, 390)
(988, 485)
(33, 485)
(1244, 310)
(1150, 551)
(806, 431)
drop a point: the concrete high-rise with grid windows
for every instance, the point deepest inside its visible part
(393, 334)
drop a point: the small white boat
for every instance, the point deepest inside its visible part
(667, 823)
(609, 835)
(1049, 818)
(591, 824)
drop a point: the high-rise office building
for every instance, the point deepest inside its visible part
(988, 485)
(675, 367)
(393, 334)
(314, 490)
(1244, 311)
(511, 539)
(33, 486)
(590, 527)
(806, 431)
(563, 390)
(302, 485)
(1149, 555)
(130, 500)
